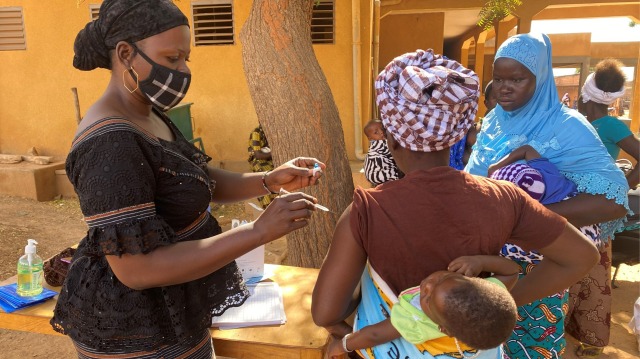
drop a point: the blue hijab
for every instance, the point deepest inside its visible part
(558, 133)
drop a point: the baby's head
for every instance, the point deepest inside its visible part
(490, 99)
(374, 130)
(523, 176)
(477, 312)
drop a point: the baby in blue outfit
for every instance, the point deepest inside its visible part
(542, 180)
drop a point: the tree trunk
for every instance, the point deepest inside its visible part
(296, 109)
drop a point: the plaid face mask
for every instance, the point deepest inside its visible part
(164, 87)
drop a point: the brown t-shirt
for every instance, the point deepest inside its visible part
(413, 227)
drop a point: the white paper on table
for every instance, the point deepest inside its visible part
(252, 264)
(263, 307)
(282, 314)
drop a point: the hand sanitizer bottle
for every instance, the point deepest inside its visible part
(29, 271)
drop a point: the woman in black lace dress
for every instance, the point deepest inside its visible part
(154, 267)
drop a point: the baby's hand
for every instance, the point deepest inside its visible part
(469, 266)
(335, 348)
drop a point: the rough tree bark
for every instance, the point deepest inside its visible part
(298, 114)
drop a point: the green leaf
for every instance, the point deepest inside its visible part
(495, 10)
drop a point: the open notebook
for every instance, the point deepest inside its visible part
(264, 307)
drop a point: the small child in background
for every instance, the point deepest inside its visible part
(379, 166)
(490, 99)
(479, 312)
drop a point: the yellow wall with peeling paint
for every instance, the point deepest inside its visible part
(37, 108)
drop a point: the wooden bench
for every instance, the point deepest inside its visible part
(299, 338)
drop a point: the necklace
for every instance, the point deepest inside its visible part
(462, 353)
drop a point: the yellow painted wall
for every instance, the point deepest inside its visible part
(404, 33)
(488, 69)
(37, 105)
(619, 50)
(366, 67)
(578, 44)
(592, 11)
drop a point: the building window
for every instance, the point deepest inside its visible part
(322, 23)
(12, 34)
(94, 11)
(212, 22)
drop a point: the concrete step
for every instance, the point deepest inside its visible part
(30, 180)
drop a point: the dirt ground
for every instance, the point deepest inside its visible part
(58, 224)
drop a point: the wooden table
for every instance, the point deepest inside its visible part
(299, 338)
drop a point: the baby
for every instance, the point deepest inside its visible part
(478, 312)
(379, 166)
(538, 177)
(542, 181)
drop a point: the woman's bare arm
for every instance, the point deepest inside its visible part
(232, 187)
(587, 209)
(187, 261)
(631, 145)
(558, 270)
(339, 276)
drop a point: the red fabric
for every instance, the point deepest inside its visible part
(415, 226)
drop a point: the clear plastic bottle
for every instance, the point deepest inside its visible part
(30, 271)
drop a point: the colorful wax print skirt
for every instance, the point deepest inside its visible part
(539, 331)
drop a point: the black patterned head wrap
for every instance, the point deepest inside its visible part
(123, 20)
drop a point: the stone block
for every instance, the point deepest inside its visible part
(29, 180)
(39, 160)
(32, 152)
(10, 159)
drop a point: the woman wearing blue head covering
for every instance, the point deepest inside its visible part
(528, 113)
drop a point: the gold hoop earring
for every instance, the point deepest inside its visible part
(125, 82)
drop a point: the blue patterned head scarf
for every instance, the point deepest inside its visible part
(558, 133)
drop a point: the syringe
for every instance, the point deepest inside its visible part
(282, 190)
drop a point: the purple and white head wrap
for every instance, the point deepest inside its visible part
(426, 101)
(523, 176)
